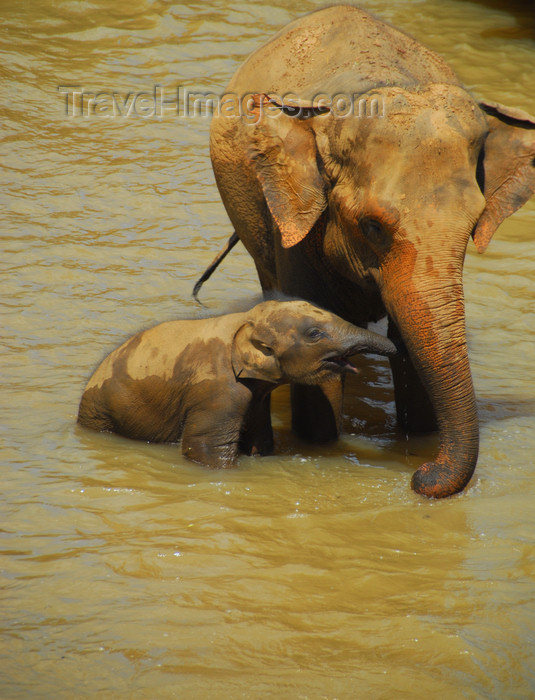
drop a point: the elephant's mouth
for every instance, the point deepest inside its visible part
(339, 363)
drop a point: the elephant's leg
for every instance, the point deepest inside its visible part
(317, 410)
(213, 426)
(257, 433)
(415, 412)
(215, 447)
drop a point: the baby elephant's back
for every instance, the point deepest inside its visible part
(141, 390)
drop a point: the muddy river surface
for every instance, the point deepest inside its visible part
(128, 572)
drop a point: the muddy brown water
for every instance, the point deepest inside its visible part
(316, 573)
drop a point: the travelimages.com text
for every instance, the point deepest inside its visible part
(181, 103)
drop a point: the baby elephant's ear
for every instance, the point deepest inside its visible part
(253, 354)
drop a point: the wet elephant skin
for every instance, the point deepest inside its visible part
(208, 382)
(369, 213)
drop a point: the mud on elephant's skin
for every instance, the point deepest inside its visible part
(367, 214)
(209, 381)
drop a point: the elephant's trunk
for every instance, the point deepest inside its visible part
(429, 313)
(359, 340)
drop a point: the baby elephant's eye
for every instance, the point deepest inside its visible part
(314, 334)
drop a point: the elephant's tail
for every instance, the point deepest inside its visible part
(214, 264)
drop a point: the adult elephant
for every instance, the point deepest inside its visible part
(355, 174)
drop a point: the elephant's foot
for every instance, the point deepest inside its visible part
(260, 450)
(259, 445)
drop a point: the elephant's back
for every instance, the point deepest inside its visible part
(339, 49)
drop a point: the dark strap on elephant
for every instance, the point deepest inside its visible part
(214, 264)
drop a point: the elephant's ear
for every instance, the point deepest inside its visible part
(508, 167)
(253, 354)
(284, 155)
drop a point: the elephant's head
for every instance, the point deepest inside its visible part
(399, 193)
(294, 341)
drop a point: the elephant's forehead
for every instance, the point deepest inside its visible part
(288, 313)
(411, 131)
(290, 324)
(433, 108)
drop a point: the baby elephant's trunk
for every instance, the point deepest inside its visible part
(361, 340)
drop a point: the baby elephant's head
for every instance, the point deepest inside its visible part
(294, 341)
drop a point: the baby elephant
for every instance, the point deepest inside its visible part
(208, 381)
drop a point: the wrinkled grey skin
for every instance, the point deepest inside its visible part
(370, 214)
(208, 381)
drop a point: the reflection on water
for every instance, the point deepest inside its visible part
(128, 572)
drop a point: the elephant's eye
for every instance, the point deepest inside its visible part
(374, 232)
(314, 334)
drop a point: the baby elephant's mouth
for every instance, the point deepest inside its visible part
(340, 363)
